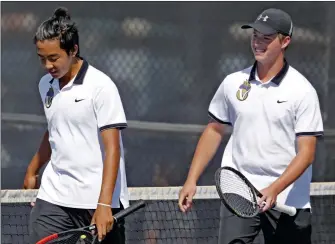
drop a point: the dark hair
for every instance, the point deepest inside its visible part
(59, 26)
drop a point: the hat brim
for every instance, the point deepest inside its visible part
(262, 28)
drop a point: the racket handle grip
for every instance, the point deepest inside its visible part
(285, 209)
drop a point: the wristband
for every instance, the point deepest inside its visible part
(104, 204)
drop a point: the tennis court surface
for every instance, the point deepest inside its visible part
(162, 222)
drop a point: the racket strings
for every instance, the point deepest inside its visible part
(237, 194)
(77, 237)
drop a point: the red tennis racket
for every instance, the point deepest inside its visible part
(87, 234)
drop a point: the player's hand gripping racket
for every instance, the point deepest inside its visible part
(86, 235)
(240, 196)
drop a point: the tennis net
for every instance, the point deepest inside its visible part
(162, 222)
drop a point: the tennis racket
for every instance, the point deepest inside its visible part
(87, 234)
(240, 196)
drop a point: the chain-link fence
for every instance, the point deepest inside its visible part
(167, 60)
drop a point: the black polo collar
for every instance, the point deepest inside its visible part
(277, 79)
(81, 74)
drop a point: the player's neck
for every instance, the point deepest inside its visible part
(75, 67)
(267, 71)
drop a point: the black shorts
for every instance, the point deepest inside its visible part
(278, 228)
(47, 218)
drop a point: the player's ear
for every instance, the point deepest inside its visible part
(285, 41)
(74, 51)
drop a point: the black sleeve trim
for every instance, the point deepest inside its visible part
(120, 126)
(314, 133)
(218, 120)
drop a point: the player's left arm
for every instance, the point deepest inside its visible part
(303, 159)
(111, 142)
(308, 127)
(111, 119)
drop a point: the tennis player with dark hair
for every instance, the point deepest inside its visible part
(276, 119)
(84, 181)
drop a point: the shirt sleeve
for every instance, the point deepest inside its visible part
(108, 107)
(218, 108)
(308, 119)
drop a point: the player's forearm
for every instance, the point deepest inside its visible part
(41, 156)
(295, 169)
(110, 172)
(206, 149)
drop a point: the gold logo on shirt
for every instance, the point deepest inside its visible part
(243, 91)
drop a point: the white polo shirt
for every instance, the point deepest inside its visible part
(76, 114)
(267, 118)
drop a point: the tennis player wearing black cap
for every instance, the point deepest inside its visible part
(276, 117)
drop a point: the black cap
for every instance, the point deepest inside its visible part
(272, 21)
